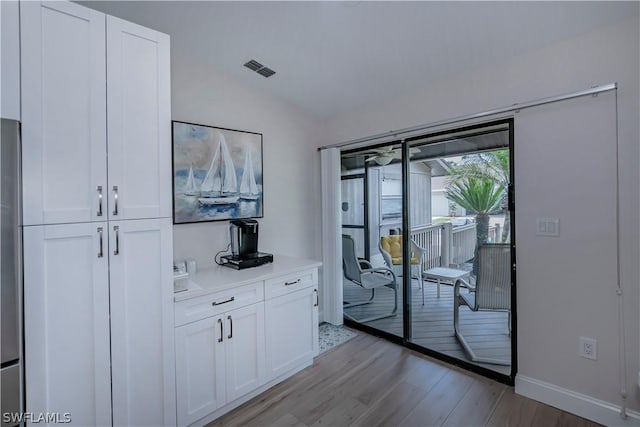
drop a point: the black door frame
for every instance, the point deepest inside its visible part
(406, 282)
(365, 224)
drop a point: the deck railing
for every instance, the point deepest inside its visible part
(446, 245)
(463, 243)
(436, 240)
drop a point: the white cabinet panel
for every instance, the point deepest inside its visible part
(142, 338)
(291, 331)
(67, 322)
(244, 340)
(139, 121)
(63, 112)
(200, 369)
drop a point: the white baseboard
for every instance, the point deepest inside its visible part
(579, 404)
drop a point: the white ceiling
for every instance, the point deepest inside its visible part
(334, 56)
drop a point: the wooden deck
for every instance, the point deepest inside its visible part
(486, 332)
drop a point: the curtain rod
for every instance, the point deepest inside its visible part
(393, 133)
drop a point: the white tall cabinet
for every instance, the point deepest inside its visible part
(97, 213)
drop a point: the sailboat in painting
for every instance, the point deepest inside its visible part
(220, 185)
(248, 186)
(190, 186)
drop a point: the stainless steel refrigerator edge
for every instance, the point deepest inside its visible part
(10, 269)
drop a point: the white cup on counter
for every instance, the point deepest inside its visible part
(191, 266)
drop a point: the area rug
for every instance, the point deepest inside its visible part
(332, 336)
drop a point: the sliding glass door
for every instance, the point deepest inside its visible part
(449, 207)
(372, 196)
(465, 249)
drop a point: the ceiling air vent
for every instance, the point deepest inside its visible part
(265, 71)
(253, 65)
(259, 68)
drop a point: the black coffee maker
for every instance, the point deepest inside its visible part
(244, 246)
(244, 237)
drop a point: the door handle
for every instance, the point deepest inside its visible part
(116, 228)
(100, 252)
(221, 332)
(223, 302)
(292, 283)
(230, 327)
(317, 298)
(99, 190)
(115, 198)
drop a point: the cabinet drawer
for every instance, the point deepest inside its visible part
(210, 305)
(290, 283)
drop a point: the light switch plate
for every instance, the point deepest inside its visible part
(547, 227)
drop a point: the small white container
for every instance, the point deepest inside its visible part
(180, 281)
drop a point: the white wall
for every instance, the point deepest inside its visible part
(291, 223)
(604, 56)
(10, 60)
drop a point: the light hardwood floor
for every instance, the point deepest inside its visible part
(371, 382)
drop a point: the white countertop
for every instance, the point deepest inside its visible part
(219, 278)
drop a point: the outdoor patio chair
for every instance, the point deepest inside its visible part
(391, 250)
(492, 291)
(362, 273)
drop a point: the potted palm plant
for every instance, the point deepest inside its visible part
(481, 195)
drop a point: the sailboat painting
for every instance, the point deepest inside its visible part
(217, 173)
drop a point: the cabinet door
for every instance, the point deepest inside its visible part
(291, 331)
(66, 321)
(200, 369)
(142, 335)
(244, 338)
(139, 121)
(63, 113)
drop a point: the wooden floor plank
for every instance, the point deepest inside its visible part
(392, 409)
(477, 405)
(440, 401)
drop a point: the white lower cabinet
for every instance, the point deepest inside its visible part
(236, 342)
(98, 322)
(142, 346)
(66, 312)
(291, 330)
(219, 359)
(200, 373)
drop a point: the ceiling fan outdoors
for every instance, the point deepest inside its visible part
(384, 155)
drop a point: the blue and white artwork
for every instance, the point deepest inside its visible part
(217, 173)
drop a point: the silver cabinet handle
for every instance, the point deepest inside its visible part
(223, 302)
(292, 283)
(115, 198)
(220, 323)
(230, 327)
(317, 298)
(116, 228)
(99, 190)
(100, 252)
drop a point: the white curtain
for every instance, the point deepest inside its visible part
(331, 242)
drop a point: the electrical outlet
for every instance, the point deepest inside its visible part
(588, 348)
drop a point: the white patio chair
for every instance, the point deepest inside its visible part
(492, 291)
